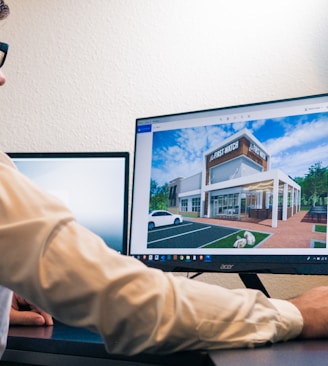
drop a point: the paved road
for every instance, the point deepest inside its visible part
(187, 235)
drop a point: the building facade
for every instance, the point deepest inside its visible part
(236, 183)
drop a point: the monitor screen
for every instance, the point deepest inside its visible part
(235, 189)
(94, 186)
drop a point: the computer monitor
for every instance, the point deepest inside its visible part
(238, 189)
(93, 185)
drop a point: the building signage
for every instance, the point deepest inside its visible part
(225, 150)
(257, 151)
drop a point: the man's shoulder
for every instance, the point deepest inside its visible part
(5, 159)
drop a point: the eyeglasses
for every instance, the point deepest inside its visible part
(3, 53)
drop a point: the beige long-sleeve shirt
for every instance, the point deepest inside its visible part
(68, 271)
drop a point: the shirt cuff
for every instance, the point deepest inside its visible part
(291, 320)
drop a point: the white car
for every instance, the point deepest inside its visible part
(162, 218)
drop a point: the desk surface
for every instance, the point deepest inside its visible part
(69, 346)
(300, 353)
(64, 345)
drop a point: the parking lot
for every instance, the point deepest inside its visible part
(187, 235)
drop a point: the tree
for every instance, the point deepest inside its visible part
(315, 184)
(158, 196)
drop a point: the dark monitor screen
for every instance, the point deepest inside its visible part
(235, 189)
(93, 185)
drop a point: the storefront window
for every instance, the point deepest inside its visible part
(172, 196)
(184, 205)
(225, 205)
(195, 205)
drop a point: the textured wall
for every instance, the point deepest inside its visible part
(80, 72)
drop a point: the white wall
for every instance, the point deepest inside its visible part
(80, 72)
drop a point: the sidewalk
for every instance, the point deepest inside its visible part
(292, 233)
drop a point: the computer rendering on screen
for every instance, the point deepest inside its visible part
(236, 189)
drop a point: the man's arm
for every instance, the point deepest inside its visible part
(70, 273)
(313, 305)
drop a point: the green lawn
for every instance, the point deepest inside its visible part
(319, 245)
(228, 241)
(320, 228)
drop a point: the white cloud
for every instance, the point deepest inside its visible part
(299, 136)
(185, 157)
(258, 124)
(297, 163)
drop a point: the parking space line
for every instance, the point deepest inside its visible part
(175, 236)
(169, 227)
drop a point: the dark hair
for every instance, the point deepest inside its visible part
(4, 10)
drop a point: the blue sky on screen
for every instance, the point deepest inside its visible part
(295, 143)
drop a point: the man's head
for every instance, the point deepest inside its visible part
(4, 12)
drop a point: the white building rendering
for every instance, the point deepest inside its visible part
(236, 183)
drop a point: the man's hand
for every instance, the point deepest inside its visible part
(313, 305)
(24, 313)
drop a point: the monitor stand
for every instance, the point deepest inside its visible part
(251, 280)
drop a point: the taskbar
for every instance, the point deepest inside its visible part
(173, 257)
(211, 258)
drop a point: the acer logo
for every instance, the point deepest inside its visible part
(226, 266)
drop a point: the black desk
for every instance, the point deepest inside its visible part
(63, 345)
(300, 353)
